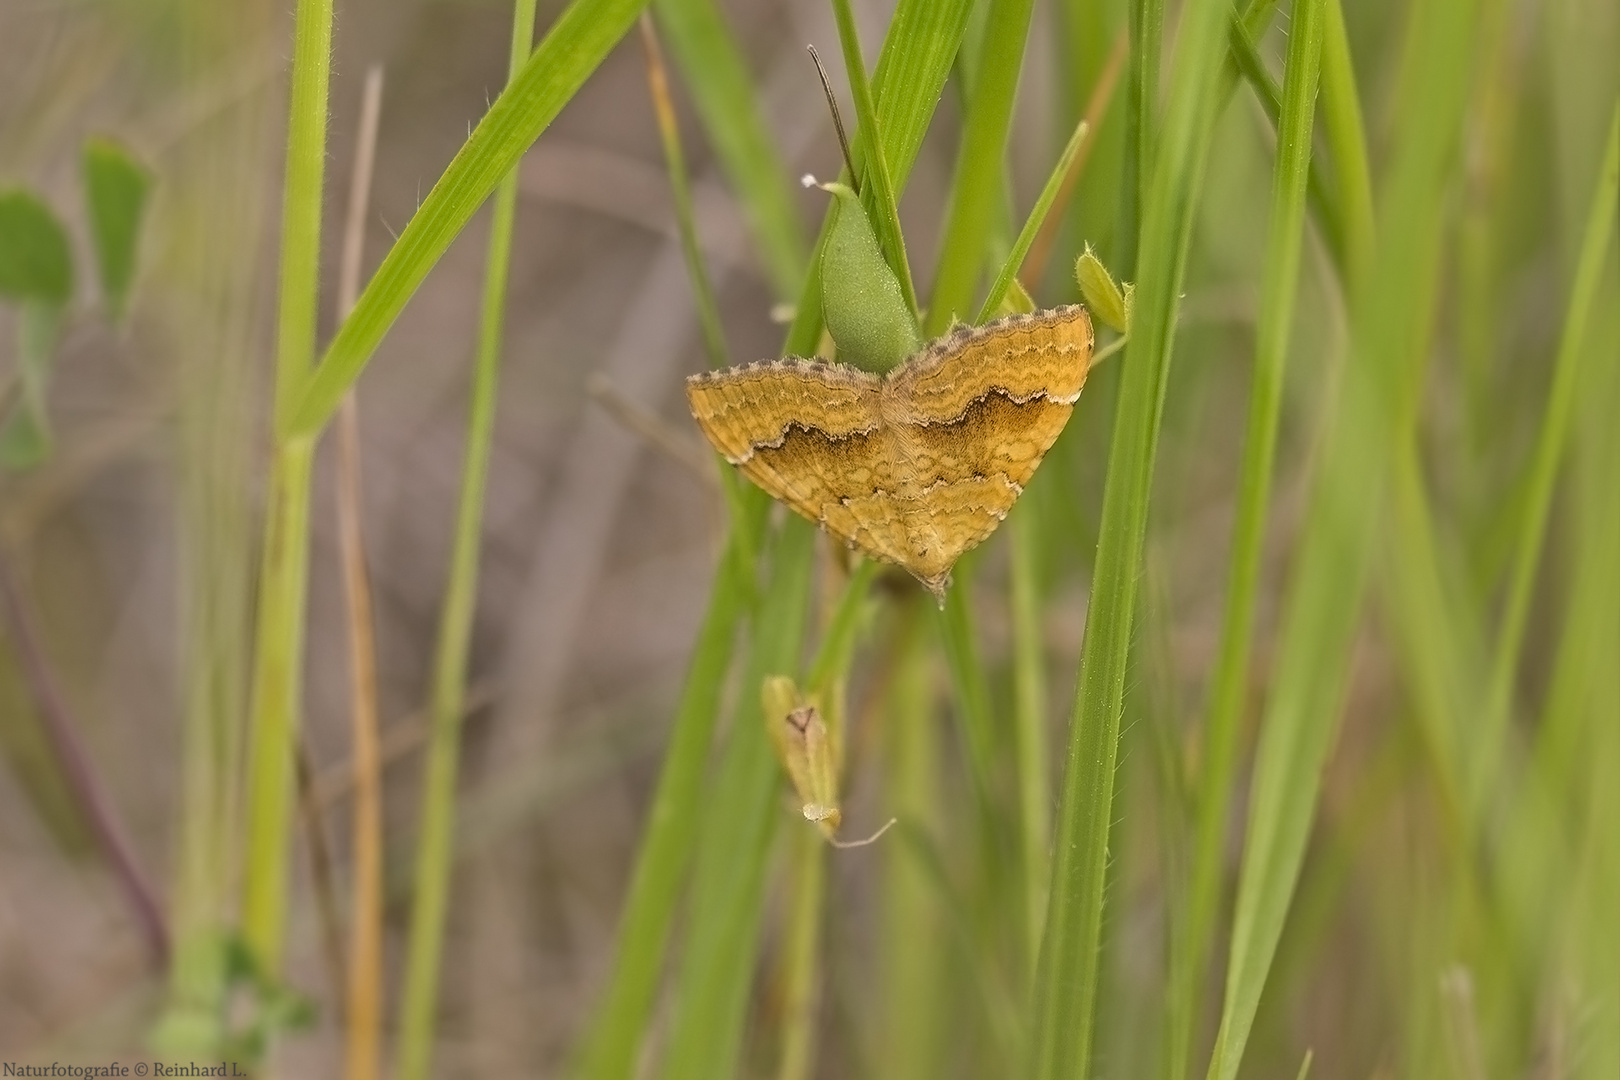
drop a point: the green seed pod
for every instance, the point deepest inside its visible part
(1101, 294)
(865, 310)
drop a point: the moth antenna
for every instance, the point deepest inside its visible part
(838, 120)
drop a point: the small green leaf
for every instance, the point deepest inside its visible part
(35, 263)
(866, 311)
(25, 435)
(115, 188)
(1102, 294)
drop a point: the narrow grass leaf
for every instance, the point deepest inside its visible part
(802, 962)
(669, 133)
(274, 707)
(995, 998)
(576, 44)
(611, 1046)
(1346, 141)
(1373, 412)
(711, 987)
(447, 693)
(1551, 438)
(363, 994)
(837, 648)
(979, 164)
(717, 76)
(1060, 178)
(1030, 722)
(1247, 60)
(1581, 719)
(1230, 678)
(1144, 22)
(1066, 985)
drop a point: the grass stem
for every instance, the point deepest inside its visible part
(1066, 984)
(436, 829)
(283, 578)
(362, 1010)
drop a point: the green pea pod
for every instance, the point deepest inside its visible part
(865, 310)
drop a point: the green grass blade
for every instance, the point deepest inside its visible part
(611, 1046)
(669, 133)
(1144, 20)
(921, 45)
(886, 223)
(1436, 660)
(579, 40)
(1374, 411)
(435, 841)
(220, 191)
(831, 663)
(979, 164)
(1549, 450)
(1032, 225)
(1030, 723)
(912, 972)
(279, 643)
(1580, 721)
(961, 648)
(803, 964)
(1247, 60)
(1346, 142)
(711, 988)
(1230, 678)
(717, 76)
(1066, 986)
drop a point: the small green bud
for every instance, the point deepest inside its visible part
(865, 309)
(1101, 294)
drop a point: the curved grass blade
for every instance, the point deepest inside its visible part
(1066, 984)
(576, 44)
(717, 76)
(728, 884)
(1055, 183)
(979, 164)
(612, 1044)
(1230, 678)
(279, 639)
(1373, 413)
(436, 839)
(1550, 442)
